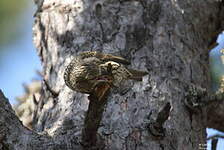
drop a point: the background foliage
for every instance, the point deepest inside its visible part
(10, 13)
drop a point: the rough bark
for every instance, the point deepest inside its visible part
(15, 136)
(169, 39)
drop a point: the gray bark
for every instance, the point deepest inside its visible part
(169, 39)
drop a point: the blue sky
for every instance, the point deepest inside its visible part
(19, 61)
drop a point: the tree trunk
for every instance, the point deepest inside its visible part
(168, 39)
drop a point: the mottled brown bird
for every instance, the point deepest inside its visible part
(90, 70)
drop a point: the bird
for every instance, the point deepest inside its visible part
(91, 69)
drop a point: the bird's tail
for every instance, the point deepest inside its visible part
(137, 75)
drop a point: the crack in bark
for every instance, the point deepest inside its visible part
(151, 11)
(105, 39)
(43, 43)
(53, 92)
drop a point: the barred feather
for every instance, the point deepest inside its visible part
(92, 68)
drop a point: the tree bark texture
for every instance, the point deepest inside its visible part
(168, 39)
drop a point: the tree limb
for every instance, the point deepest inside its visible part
(214, 144)
(11, 127)
(216, 136)
(215, 117)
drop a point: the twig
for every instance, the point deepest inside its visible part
(94, 116)
(156, 126)
(216, 136)
(215, 139)
(53, 92)
(214, 144)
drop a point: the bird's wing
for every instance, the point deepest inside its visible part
(104, 57)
